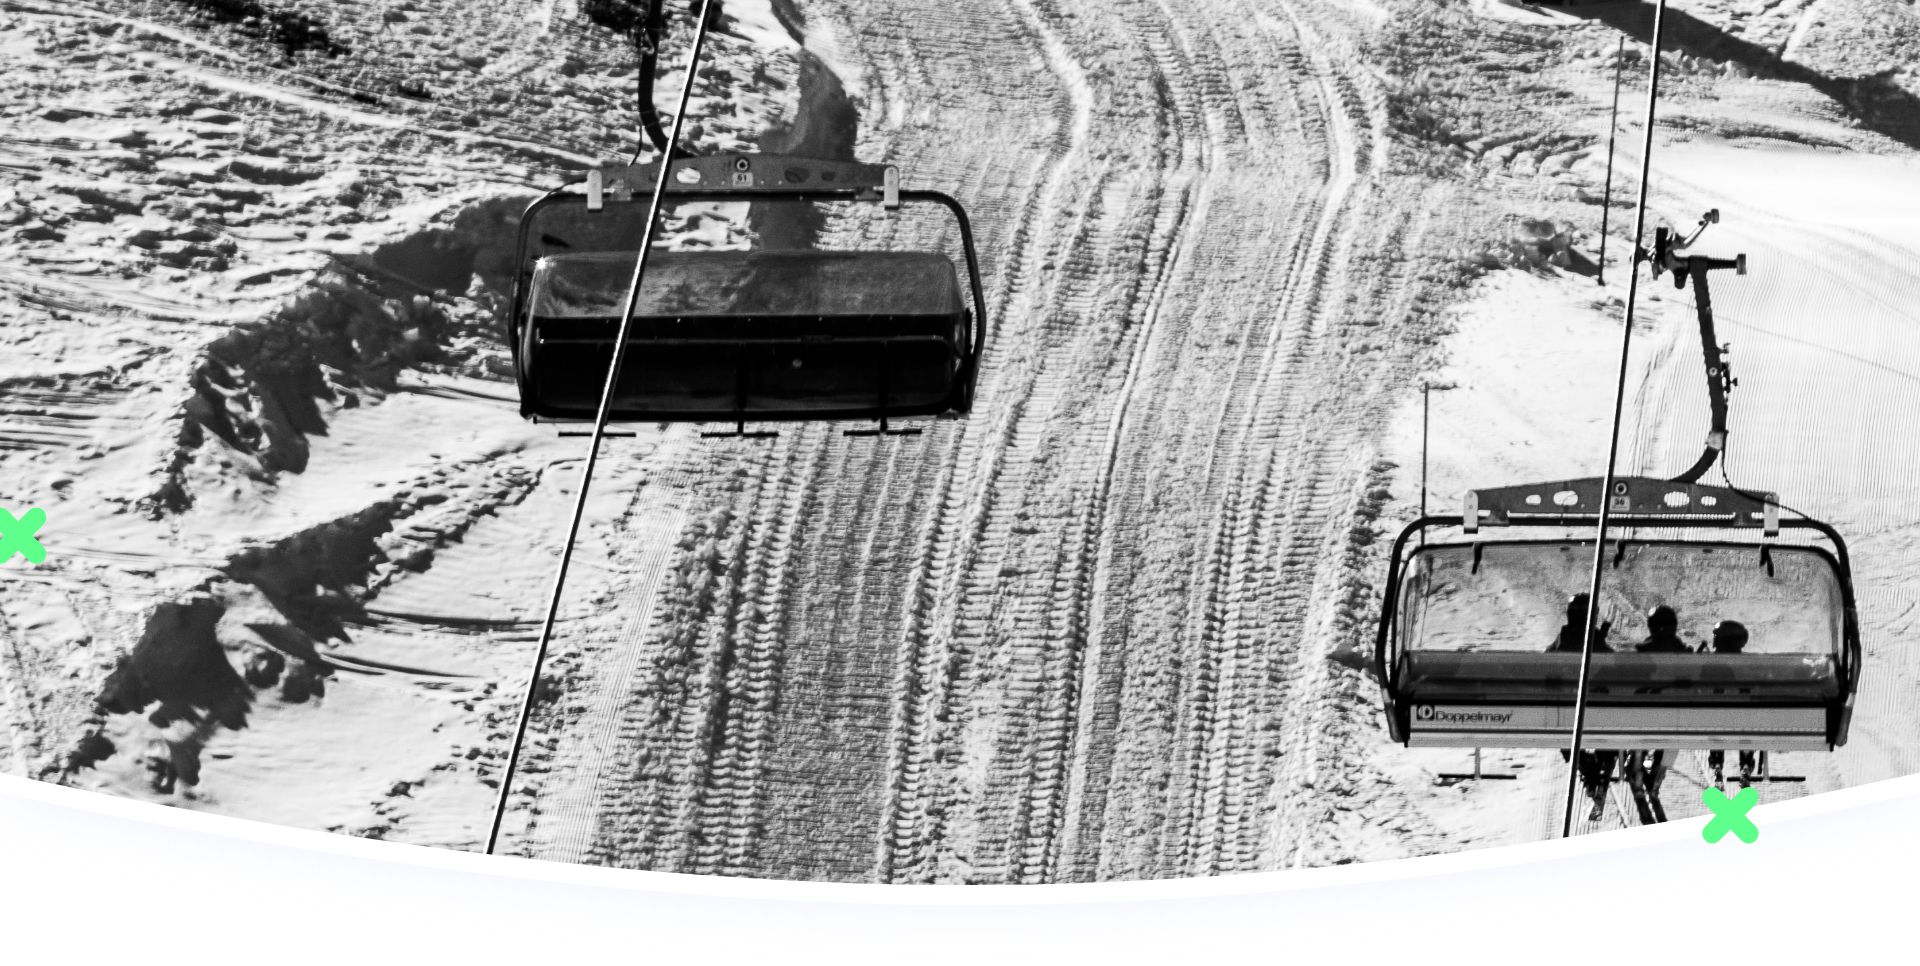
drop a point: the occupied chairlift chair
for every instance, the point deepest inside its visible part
(740, 336)
(1461, 647)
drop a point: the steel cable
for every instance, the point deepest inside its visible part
(600, 423)
(1613, 440)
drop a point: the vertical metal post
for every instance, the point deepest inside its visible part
(1426, 412)
(1613, 440)
(1426, 409)
(1613, 126)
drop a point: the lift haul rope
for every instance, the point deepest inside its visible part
(600, 420)
(1613, 438)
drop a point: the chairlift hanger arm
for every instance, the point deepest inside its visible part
(1666, 257)
(648, 36)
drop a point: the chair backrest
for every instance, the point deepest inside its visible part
(755, 284)
(1512, 595)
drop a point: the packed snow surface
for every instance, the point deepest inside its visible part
(1114, 623)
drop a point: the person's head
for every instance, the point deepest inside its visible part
(1729, 636)
(1577, 609)
(1662, 620)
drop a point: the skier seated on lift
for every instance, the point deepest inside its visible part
(1663, 633)
(1648, 768)
(1596, 767)
(1730, 637)
(1569, 638)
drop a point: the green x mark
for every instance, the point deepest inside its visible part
(17, 535)
(1730, 814)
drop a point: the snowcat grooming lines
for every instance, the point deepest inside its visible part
(1466, 654)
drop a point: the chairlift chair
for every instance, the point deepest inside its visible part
(1461, 648)
(739, 336)
(1461, 652)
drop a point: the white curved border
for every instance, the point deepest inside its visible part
(89, 876)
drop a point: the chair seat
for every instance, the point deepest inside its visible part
(722, 382)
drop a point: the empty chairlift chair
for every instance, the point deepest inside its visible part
(726, 335)
(1463, 649)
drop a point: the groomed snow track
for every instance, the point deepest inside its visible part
(1106, 627)
(1069, 637)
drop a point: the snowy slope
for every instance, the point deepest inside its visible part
(1108, 626)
